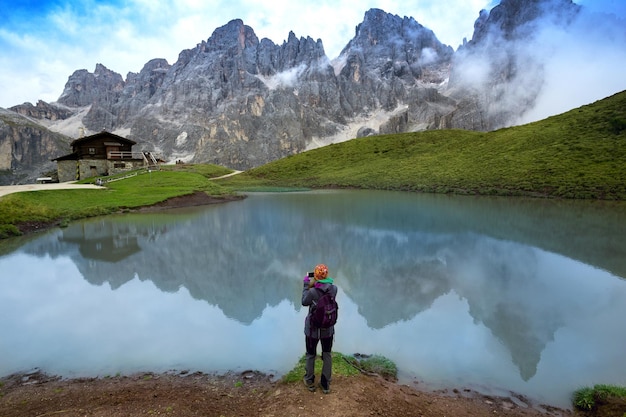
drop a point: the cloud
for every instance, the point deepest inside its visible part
(555, 67)
(284, 79)
(582, 63)
(428, 56)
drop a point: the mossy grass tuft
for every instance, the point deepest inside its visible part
(587, 398)
(346, 365)
(375, 364)
(341, 366)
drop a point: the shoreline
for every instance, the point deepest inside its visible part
(246, 393)
(198, 198)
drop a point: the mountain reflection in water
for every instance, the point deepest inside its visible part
(522, 269)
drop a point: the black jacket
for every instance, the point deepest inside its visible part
(309, 298)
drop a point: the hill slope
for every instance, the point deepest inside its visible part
(578, 154)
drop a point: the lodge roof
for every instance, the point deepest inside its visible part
(104, 135)
(70, 157)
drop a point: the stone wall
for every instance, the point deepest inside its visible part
(92, 168)
(87, 168)
(66, 170)
(116, 167)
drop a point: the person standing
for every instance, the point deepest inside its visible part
(313, 289)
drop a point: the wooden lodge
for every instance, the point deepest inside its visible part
(101, 154)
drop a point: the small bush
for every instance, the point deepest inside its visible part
(8, 230)
(377, 364)
(587, 398)
(584, 399)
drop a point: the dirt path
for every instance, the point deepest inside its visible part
(227, 175)
(9, 189)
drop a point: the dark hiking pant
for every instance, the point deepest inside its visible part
(327, 360)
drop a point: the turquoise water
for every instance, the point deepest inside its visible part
(492, 294)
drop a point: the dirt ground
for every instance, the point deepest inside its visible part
(246, 394)
(196, 199)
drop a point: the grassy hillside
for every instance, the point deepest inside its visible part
(578, 154)
(144, 189)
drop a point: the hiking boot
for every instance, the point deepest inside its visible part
(325, 390)
(324, 384)
(309, 385)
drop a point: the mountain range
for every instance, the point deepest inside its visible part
(240, 102)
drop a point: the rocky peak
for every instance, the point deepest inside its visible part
(137, 92)
(232, 35)
(148, 80)
(395, 46)
(42, 110)
(84, 88)
(513, 19)
(387, 30)
(295, 52)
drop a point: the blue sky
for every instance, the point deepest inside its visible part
(42, 42)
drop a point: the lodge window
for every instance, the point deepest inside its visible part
(119, 165)
(92, 151)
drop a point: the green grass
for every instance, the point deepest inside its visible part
(587, 398)
(347, 366)
(377, 364)
(580, 154)
(341, 366)
(206, 170)
(67, 205)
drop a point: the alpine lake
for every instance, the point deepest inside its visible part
(499, 295)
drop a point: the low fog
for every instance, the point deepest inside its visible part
(554, 66)
(582, 63)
